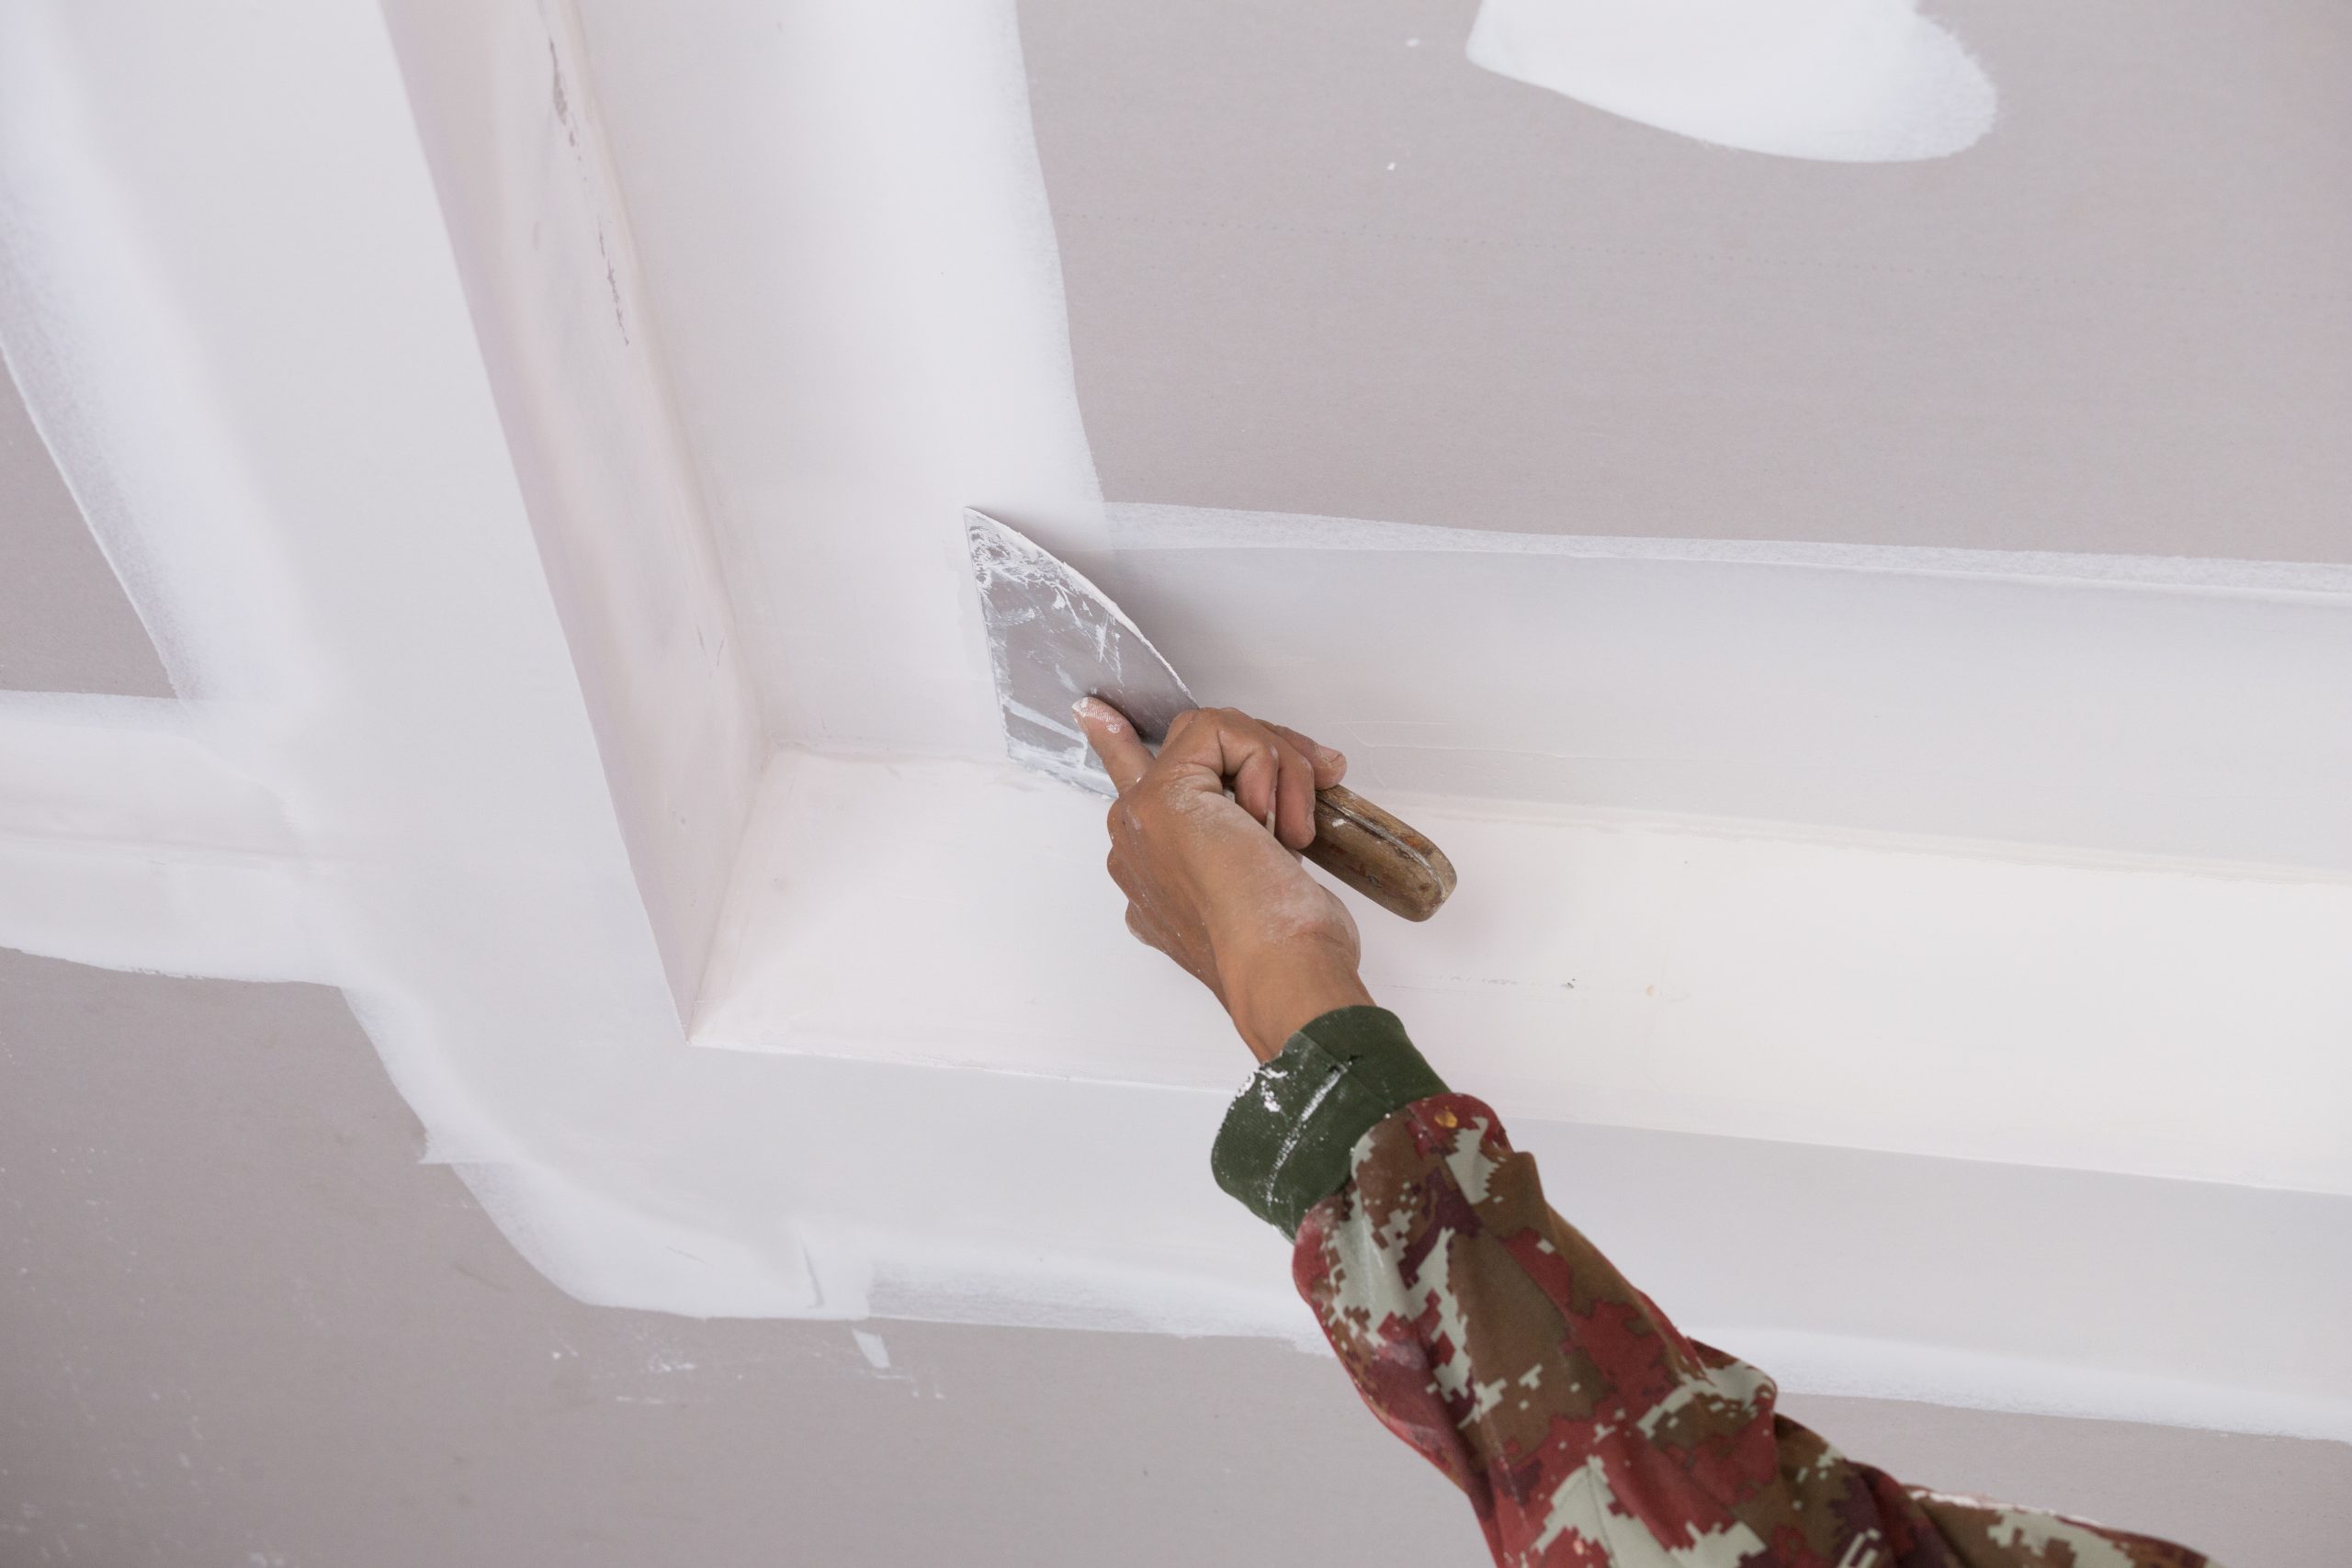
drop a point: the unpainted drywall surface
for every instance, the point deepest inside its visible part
(246, 1325)
(1317, 261)
(64, 623)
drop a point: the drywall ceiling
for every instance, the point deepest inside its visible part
(600, 414)
(1317, 261)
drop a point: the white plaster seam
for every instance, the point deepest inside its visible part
(1150, 525)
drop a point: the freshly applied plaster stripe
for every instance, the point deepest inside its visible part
(1149, 525)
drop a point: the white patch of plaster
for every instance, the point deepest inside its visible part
(870, 1346)
(1840, 81)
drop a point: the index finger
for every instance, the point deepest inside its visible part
(1124, 756)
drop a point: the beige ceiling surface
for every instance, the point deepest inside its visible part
(65, 625)
(1318, 262)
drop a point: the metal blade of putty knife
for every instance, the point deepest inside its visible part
(1054, 638)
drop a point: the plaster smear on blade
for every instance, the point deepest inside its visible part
(1030, 600)
(1839, 81)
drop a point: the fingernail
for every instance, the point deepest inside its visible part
(1329, 756)
(1097, 710)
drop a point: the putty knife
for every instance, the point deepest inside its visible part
(1054, 638)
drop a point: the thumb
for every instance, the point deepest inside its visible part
(1124, 756)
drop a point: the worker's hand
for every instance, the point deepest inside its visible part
(1215, 882)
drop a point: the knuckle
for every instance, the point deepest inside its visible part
(1121, 876)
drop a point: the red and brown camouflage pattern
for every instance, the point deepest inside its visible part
(1485, 1332)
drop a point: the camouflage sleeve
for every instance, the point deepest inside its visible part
(1485, 1332)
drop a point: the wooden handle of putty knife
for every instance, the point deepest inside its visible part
(1385, 859)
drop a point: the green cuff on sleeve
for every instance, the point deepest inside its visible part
(1285, 1145)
